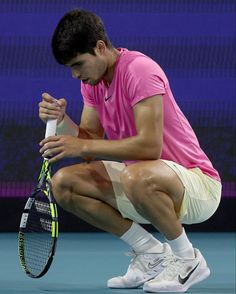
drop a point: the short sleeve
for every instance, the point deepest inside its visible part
(87, 95)
(145, 78)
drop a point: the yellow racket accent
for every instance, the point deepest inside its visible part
(53, 229)
(54, 223)
(53, 212)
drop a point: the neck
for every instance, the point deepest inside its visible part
(112, 56)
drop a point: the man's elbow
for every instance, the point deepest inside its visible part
(151, 149)
(152, 153)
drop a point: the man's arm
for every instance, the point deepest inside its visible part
(146, 145)
(90, 126)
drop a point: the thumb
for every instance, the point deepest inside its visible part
(47, 97)
(62, 102)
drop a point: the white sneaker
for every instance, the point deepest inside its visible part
(142, 268)
(179, 275)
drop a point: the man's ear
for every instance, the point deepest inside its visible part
(100, 47)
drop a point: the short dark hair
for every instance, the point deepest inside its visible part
(77, 32)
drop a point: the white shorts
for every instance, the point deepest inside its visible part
(201, 196)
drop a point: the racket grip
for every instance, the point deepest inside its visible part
(51, 128)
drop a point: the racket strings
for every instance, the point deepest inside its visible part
(42, 207)
(38, 242)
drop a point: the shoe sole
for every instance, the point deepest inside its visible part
(139, 285)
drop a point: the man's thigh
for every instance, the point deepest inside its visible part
(145, 174)
(89, 180)
(124, 205)
(201, 194)
(155, 175)
(191, 190)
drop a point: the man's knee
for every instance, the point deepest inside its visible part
(62, 181)
(143, 184)
(85, 180)
(138, 184)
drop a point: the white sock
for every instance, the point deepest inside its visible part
(140, 240)
(182, 247)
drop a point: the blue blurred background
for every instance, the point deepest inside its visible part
(193, 40)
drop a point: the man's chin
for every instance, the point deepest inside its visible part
(93, 82)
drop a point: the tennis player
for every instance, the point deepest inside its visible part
(153, 172)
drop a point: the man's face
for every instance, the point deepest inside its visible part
(88, 68)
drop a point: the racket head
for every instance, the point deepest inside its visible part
(38, 230)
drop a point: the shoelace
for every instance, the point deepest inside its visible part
(137, 262)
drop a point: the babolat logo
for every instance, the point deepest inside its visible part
(21, 251)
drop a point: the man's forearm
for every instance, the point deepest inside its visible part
(67, 127)
(133, 148)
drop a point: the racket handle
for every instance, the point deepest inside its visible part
(51, 128)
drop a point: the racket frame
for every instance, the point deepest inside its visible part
(44, 177)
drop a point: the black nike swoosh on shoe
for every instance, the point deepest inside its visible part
(107, 98)
(154, 264)
(184, 280)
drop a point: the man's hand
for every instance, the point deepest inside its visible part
(51, 108)
(58, 147)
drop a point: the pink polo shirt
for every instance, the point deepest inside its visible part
(138, 77)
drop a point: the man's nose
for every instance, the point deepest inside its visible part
(75, 74)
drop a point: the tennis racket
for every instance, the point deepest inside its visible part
(38, 230)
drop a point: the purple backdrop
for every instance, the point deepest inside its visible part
(193, 40)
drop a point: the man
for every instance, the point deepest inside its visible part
(155, 170)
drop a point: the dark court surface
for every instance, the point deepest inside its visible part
(84, 261)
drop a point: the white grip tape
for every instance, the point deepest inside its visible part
(51, 128)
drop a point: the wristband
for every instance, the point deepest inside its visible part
(67, 127)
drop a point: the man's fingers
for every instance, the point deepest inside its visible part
(49, 105)
(50, 139)
(47, 111)
(47, 97)
(49, 153)
(46, 117)
(62, 102)
(51, 108)
(56, 157)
